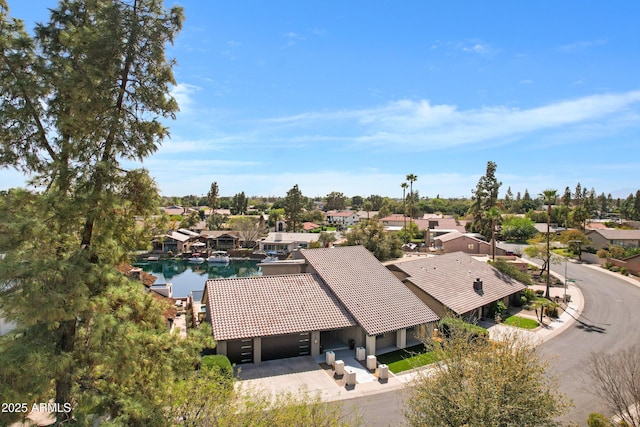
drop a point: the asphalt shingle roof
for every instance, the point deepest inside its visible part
(449, 279)
(261, 306)
(377, 300)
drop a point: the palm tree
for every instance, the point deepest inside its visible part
(404, 186)
(411, 178)
(549, 196)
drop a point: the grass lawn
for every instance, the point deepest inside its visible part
(409, 358)
(521, 322)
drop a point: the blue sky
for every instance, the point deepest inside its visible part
(353, 96)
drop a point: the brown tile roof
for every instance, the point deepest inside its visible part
(596, 225)
(371, 293)
(453, 235)
(618, 234)
(308, 226)
(261, 306)
(147, 279)
(449, 279)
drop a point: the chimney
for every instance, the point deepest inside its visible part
(477, 285)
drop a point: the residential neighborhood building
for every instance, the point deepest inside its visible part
(603, 238)
(173, 241)
(309, 226)
(342, 218)
(335, 298)
(283, 243)
(456, 241)
(456, 283)
(221, 240)
(395, 220)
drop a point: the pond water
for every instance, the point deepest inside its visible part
(187, 277)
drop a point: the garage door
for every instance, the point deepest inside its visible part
(240, 351)
(282, 346)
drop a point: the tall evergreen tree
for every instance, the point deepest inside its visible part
(484, 198)
(508, 200)
(293, 206)
(88, 90)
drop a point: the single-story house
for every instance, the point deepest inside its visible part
(456, 241)
(614, 237)
(286, 242)
(342, 218)
(435, 227)
(396, 220)
(456, 283)
(309, 226)
(337, 297)
(172, 241)
(220, 240)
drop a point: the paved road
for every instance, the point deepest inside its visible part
(608, 322)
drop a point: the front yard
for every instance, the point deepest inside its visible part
(520, 322)
(409, 358)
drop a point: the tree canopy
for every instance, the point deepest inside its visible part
(89, 90)
(485, 383)
(372, 235)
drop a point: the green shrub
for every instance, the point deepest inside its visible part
(497, 308)
(624, 271)
(512, 271)
(218, 361)
(529, 294)
(608, 265)
(598, 420)
(552, 311)
(449, 326)
(615, 268)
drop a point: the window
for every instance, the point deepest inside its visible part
(470, 246)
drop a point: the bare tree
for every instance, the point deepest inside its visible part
(249, 228)
(616, 379)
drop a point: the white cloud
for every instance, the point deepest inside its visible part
(182, 92)
(581, 45)
(420, 125)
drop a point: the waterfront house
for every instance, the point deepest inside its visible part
(333, 298)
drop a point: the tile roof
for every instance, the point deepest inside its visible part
(449, 279)
(618, 234)
(377, 300)
(453, 235)
(261, 306)
(308, 226)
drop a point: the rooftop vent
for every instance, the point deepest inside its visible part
(477, 285)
